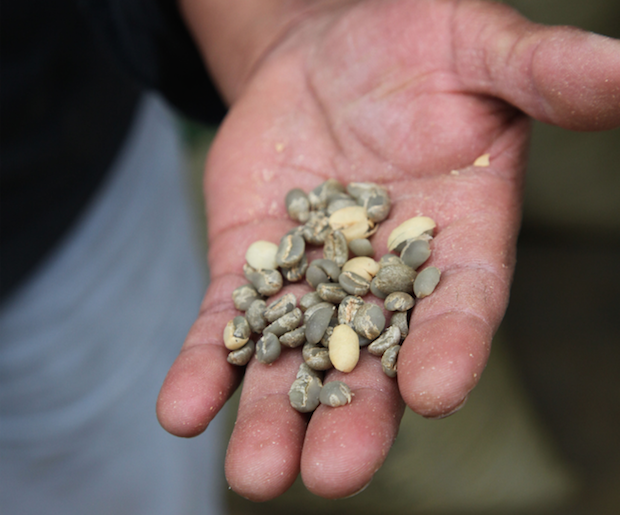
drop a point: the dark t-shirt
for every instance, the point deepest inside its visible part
(71, 76)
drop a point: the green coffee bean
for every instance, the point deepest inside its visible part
(331, 292)
(335, 394)
(390, 259)
(391, 278)
(297, 272)
(377, 205)
(353, 284)
(376, 291)
(327, 335)
(290, 251)
(348, 308)
(294, 338)
(316, 228)
(309, 299)
(316, 356)
(339, 202)
(329, 267)
(400, 319)
(320, 196)
(426, 282)
(336, 248)
(304, 393)
(389, 361)
(317, 322)
(280, 307)
(242, 356)
(297, 205)
(315, 275)
(361, 247)
(244, 296)
(298, 230)
(415, 253)
(266, 282)
(399, 301)
(369, 321)
(255, 315)
(312, 309)
(268, 348)
(364, 342)
(285, 323)
(389, 338)
(360, 190)
(305, 371)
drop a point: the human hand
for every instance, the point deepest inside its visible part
(400, 93)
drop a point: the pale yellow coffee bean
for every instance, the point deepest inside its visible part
(344, 348)
(363, 266)
(261, 255)
(359, 230)
(412, 228)
(231, 341)
(347, 216)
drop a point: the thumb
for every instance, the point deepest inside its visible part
(559, 75)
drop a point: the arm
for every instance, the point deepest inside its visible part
(400, 93)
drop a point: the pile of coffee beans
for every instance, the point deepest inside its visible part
(333, 323)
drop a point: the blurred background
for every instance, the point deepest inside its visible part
(540, 434)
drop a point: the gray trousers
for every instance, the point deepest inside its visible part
(86, 344)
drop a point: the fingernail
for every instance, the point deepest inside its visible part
(358, 491)
(452, 412)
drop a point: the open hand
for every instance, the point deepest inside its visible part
(406, 94)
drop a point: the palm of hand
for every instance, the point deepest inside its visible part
(378, 97)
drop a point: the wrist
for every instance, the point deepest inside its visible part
(235, 36)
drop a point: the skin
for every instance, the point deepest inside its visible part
(407, 94)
